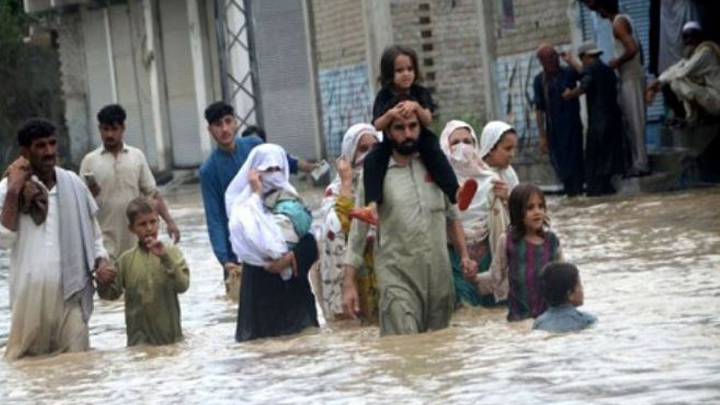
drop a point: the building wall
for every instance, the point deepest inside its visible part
(180, 84)
(535, 22)
(73, 76)
(286, 77)
(446, 36)
(339, 33)
(106, 59)
(346, 93)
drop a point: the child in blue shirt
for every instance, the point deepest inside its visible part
(563, 293)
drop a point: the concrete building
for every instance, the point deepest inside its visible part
(305, 69)
(165, 61)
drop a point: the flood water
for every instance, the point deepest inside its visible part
(650, 266)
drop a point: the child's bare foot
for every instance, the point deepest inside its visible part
(465, 194)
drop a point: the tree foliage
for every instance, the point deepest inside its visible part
(29, 79)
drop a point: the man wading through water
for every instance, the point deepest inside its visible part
(414, 276)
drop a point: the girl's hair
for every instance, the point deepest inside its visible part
(557, 281)
(387, 64)
(517, 206)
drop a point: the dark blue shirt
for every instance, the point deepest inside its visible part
(562, 119)
(216, 173)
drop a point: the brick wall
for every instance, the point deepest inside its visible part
(515, 67)
(346, 95)
(445, 35)
(535, 22)
(339, 32)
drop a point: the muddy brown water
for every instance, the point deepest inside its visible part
(650, 266)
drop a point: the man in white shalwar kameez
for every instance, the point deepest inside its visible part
(695, 79)
(47, 220)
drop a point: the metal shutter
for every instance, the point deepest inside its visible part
(99, 77)
(639, 11)
(180, 85)
(131, 77)
(284, 72)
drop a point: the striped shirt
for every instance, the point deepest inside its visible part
(525, 260)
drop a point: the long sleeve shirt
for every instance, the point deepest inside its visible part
(703, 68)
(151, 285)
(122, 178)
(35, 279)
(514, 274)
(216, 173)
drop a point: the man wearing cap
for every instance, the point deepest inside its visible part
(695, 79)
(604, 153)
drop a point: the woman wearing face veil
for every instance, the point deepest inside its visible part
(488, 163)
(269, 233)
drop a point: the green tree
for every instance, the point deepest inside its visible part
(29, 79)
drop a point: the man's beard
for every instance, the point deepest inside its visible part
(688, 50)
(406, 148)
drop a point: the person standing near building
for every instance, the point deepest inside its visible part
(117, 173)
(216, 173)
(558, 121)
(631, 97)
(48, 222)
(604, 156)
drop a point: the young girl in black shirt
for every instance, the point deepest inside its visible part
(401, 95)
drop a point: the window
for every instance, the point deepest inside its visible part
(507, 14)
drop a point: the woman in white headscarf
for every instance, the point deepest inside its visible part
(339, 200)
(488, 162)
(270, 234)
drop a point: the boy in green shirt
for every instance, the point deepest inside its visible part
(151, 275)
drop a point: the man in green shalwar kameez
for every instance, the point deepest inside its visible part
(413, 269)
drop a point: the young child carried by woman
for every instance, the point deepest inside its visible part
(401, 95)
(521, 252)
(270, 234)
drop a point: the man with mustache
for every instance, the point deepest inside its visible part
(415, 224)
(48, 222)
(695, 79)
(117, 173)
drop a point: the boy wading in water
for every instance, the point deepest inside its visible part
(563, 294)
(151, 275)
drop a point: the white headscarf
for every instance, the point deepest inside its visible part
(491, 135)
(260, 158)
(470, 165)
(254, 234)
(350, 142)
